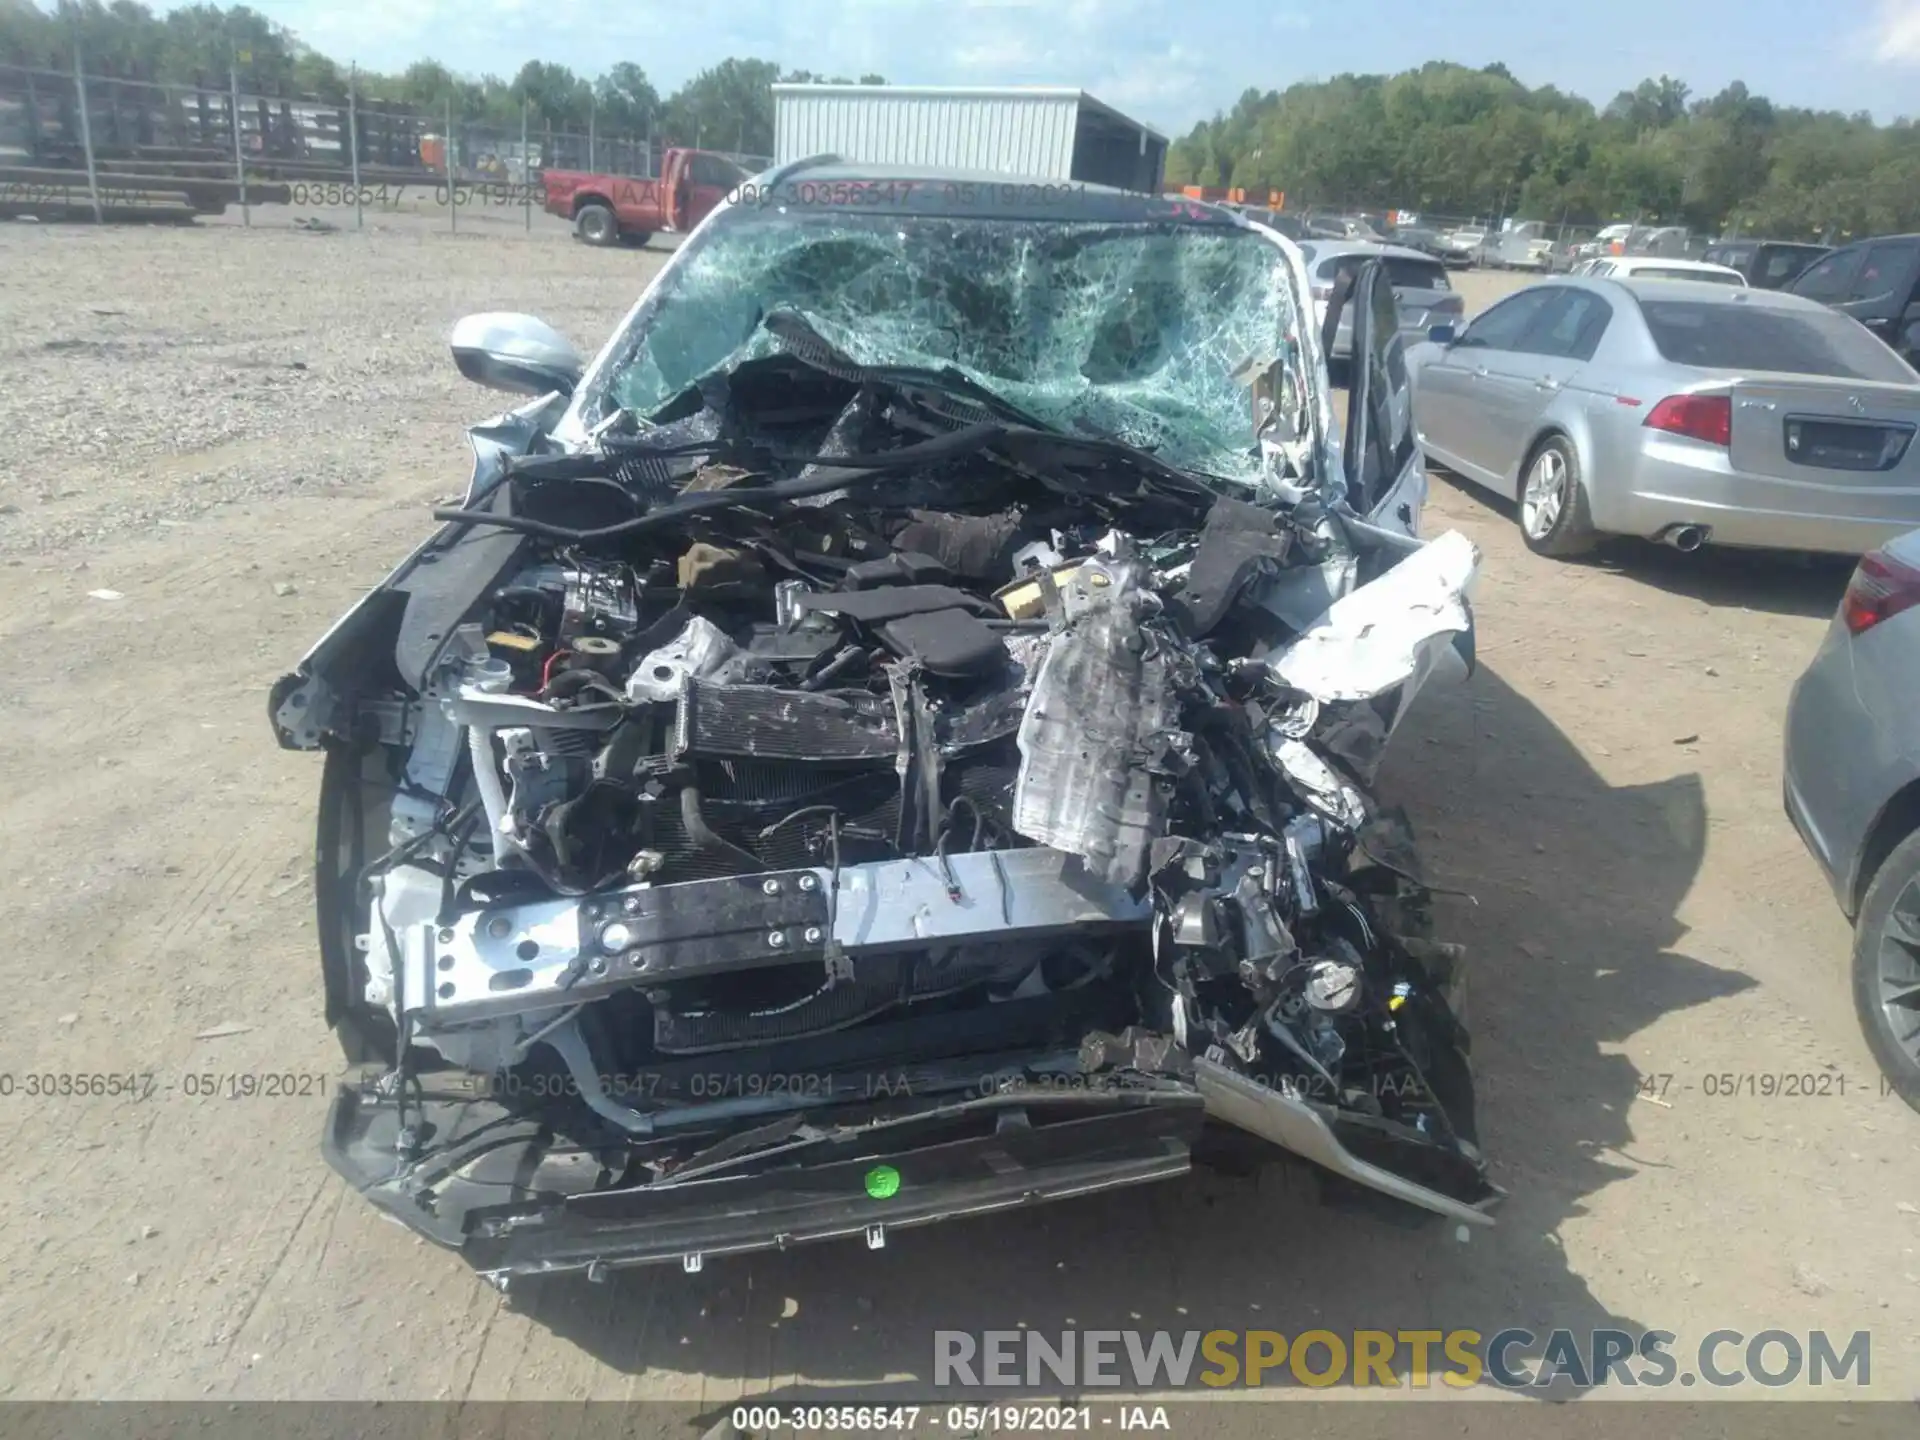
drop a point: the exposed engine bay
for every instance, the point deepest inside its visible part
(835, 780)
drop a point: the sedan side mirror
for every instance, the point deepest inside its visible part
(506, 351)
(1440, 334)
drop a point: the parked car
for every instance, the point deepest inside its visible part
(611, 209)
(1610, 240)
(1420, 287)
(1877, 282)
(1852, 789)
(816, 780)
(1521, 245)
(1767, 264)
(1669, 241)
(1287, 225)
(1470, 241)
(1652, 267)
(1429, 241)
(1675, 410)
(1342, 227)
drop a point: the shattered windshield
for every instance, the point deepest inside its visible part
(1147, 333)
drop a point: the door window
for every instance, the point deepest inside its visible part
(1569, 325)
(1885, 279)
(1829, 280)
(1501, 327)
(712, 170)
(1379, 440)
(1780, 263)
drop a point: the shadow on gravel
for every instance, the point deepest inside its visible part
(1774, 581)
(1573, 946)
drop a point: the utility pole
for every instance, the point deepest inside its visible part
(86, 131)
(353, 143)
(446, 160)
(239, 157)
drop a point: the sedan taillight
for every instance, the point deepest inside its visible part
(1881, 588)
(1699, 417)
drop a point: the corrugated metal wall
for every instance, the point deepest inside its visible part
(1015, 135)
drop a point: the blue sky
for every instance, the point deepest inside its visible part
(1167, 62)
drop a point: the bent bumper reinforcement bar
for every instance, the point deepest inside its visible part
(512, 959)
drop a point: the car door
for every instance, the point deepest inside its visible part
(709, 179)
(1521, 380)
(1453, 415)
(1776, 266)
(1881, 296)
(1830, 279)
(1385, 480)
(1522, 383)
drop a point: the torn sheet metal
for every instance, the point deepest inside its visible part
(1318, 783)
(1378, 637)
(699, 650)
(1100, 722)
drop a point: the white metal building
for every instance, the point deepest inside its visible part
(1050, 132)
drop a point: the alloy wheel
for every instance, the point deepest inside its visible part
(1897, 971)
(1545, 495)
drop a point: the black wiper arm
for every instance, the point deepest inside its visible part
(957, 383)
(804, 343)
(799, 339)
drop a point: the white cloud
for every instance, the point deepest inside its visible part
(1115, 49)
(1005, 54)
(1897, 37)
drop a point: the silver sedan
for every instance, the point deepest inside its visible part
(1678, 411)
(1853, 792)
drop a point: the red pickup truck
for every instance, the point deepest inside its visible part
(610, 209)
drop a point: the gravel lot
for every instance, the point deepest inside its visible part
(221, 436)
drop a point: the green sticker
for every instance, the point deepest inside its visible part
(883, 1182)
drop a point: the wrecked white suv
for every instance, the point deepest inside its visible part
(890, 740)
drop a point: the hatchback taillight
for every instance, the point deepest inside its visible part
(1881, 588)
(1699, 417)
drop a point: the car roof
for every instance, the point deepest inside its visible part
(943, 190)
(1707, 290)
(1877, 240)
(1335, 249)
(1671, 262)
(1699, 290)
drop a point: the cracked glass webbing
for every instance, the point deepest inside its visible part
(1144, 333)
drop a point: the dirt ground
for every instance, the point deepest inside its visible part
(220, 437)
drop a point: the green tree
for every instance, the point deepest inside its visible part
(554, 94)
(626, 99)
(727, 107)
(1652, 104)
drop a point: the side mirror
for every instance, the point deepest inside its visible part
(505, 351)
(1440, 334)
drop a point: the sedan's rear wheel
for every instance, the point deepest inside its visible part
(1886, 969)
(1553, 501)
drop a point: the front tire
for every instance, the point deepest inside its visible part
(1554, 518)
(1886, 969)
(596, 224)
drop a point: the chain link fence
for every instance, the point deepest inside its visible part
(102, 148)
